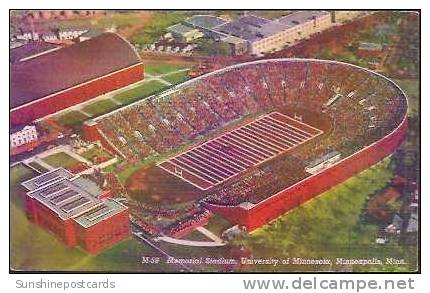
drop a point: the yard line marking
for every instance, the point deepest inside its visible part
(275, 135)
(219, 159)
(185, 179)
(246, 146)
(290, 134)
(185, 166)
(213, 175)
(218, 167)
(256, 143)
(307, 134)
(264, 138)
(233, 160)
(244, 155)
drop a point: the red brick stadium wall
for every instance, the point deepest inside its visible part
(104, 234)
(49, 220)
(307, 189)
(27, 113)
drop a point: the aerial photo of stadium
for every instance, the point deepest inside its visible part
(250, 141)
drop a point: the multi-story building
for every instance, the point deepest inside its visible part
(70, 207)
(265, 36)
(22, 136)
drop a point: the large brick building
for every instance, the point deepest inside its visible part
(70, 208)
(50, 82)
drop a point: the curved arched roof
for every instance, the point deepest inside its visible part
(50, 73)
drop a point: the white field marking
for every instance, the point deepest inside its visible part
(181, 159)
(286, 139)
(253, 154)
(218, 153)
(244, 156)
(292, 134)
(213, 139)
(246, 150)
(213, 184)
(254, 142)
(189, 181)
(238, 156)
(249, 153)
(264, 138)
(289, 126)
(218, 159)
(297, 121)
(281, 128)
(270, 135)
(206, 163)
(198, 174)
(258, 140)
(247, 145)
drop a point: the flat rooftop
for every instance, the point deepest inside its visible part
(65, 198)
(252, 28)
(301, 17)
(180, 29)
(205, 21)
(46, 178)
(100, 213)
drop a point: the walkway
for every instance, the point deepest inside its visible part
(190, 242)
(209, 234)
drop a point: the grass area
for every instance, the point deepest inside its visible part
(144, 90)
(412, 90)
(162, 68)
(38, 167)
(71, 118)
(100, 107)
(93, 153)
(330, 226)
(218, 224)
(19, 173)
(157, 25)
(118, 20)
(60, 160)
(33, 248)
(177, 77)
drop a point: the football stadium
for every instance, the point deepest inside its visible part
(251, 141)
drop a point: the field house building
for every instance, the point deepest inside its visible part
(70, 207)
(51, 81)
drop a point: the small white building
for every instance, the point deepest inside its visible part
(23, 136)
(323, 162)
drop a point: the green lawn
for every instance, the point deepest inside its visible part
(19, 173)
(100, 107)
(60, 160)
(118, 20)
(162, 68)
(94, 152)
(218, 224)
(177, 77)
(144, 90)
(71, 118)
(330, 226)
(33, 248)
(38, 167)
(157, 25)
